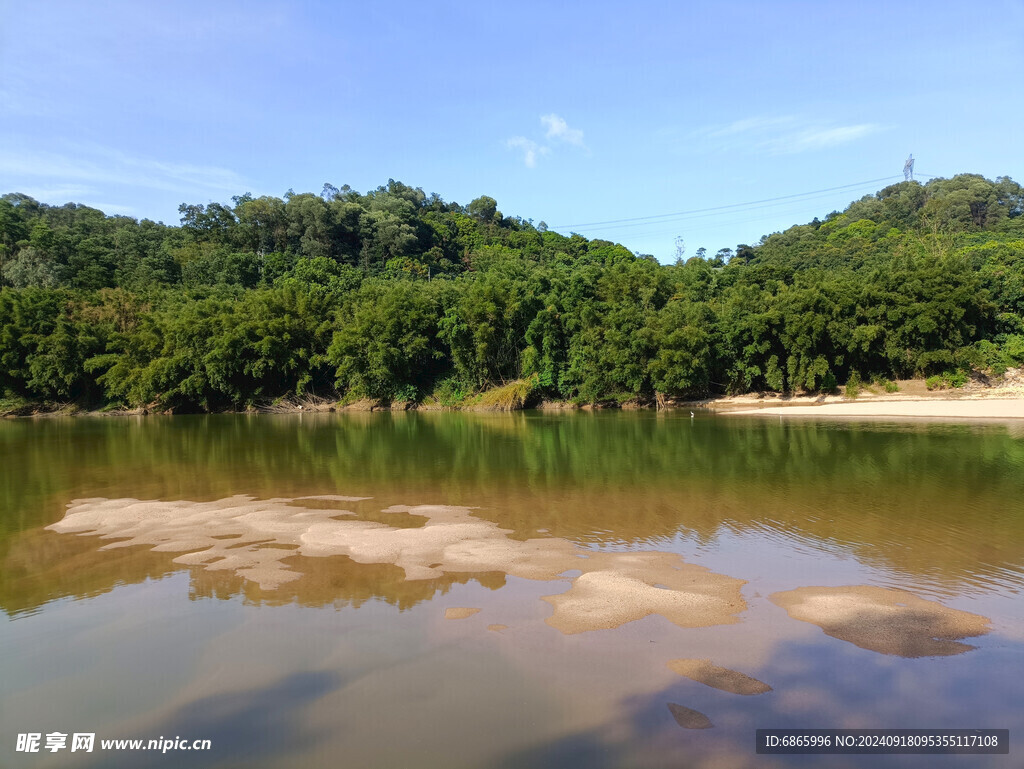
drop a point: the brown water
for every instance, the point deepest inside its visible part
(348, 662)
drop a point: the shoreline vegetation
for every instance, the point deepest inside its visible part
(1003, 399)
(397, 299)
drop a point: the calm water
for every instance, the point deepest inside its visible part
(351, 664)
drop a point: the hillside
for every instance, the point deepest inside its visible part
(395, 295)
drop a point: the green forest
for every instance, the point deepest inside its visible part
(396, 296)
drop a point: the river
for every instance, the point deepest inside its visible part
(609, 589)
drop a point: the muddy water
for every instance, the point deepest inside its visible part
(458, 590)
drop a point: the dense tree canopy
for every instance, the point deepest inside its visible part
(396, 294)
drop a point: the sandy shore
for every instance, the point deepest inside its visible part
(959, 408)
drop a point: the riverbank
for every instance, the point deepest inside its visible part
(931, 408)
(978, 399)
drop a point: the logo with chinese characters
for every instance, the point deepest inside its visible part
(32, 742)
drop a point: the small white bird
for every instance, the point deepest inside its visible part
(691, 415)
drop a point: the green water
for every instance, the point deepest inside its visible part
(353, 665)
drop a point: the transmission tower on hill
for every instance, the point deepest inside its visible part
(680, 248)
(908, 169)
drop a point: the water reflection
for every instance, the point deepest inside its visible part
(381, 678)
(261, 726)
(939, 504)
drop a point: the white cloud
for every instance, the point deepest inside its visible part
(531, 150)
(784, 135)
(559, 130)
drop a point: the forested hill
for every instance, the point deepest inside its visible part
(397, 295)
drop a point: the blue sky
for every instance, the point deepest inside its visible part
(577, 114)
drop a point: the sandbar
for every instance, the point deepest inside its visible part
(884, 620)
(259, 540)
(692, 596)
(459, 612)
(703, 671)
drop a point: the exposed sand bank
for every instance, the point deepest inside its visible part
(257, 540)
(884, 620)
(261, 541)
(725, 679)
(460, 612)
(624, 592)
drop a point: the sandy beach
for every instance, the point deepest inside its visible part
(1001, 400)
(935, 408)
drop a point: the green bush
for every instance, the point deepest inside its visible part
(1013, 349)
(853, 385)
(956, 378)
(828, 382)
(996, 358)
(449, 392)
(405, 394)
(949, 379)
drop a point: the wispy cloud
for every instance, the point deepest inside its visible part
(93, 165)
(72, 193)
(556, 131)
(783, 135)
(751, 125)
(819, 138)
(530, 149)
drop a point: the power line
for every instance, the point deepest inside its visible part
(726, 207)
(755, 214)
(769, 220)
(788, 201)
(738, 219)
